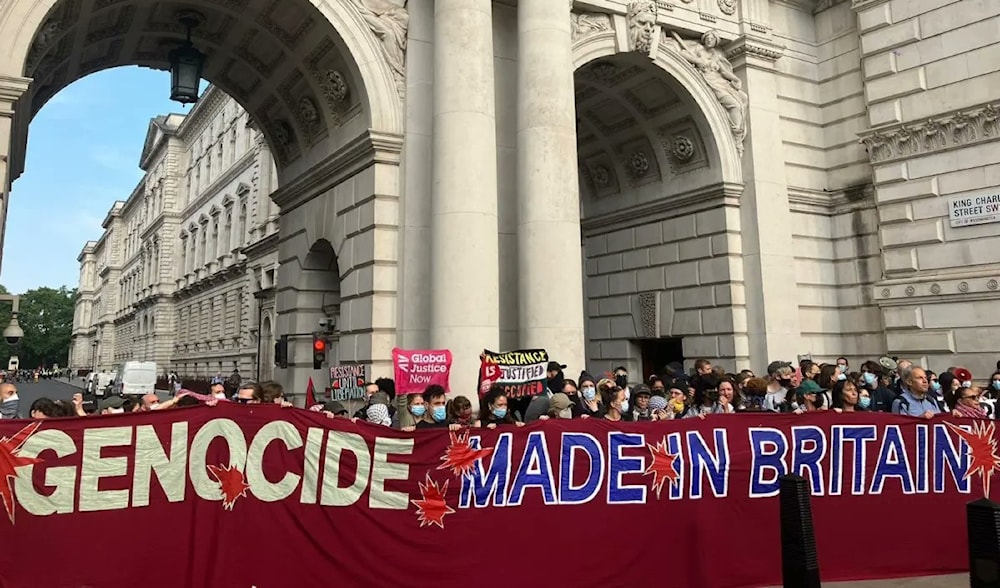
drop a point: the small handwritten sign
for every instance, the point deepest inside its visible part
(347, 382)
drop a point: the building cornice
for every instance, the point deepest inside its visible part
(757, 47)
(860, 5)
(363, 151)
(196, 120)
(261, 247)
(241, 165)
(831, 203)
(682, 204)
(951, 130)
(951, 287)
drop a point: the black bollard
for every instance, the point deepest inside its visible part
(799, 561)
(983, 521)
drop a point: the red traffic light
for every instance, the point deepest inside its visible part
(319, 345)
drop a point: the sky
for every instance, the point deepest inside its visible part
(83, 154)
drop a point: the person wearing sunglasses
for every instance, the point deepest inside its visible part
(967, 403)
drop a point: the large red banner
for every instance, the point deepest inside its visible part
(240, 496)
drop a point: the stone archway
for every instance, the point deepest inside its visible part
(660, 180)
(322, 80)
(316, 306)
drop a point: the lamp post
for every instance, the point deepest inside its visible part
(94, 355)
(186, 63)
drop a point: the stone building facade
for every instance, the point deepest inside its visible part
(618, 181)
(170, 280)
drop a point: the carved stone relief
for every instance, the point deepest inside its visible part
(43, 41)
(727, 7)
(682, 148)
(960, 128)
(713, 66)
(389, 20)
(641, 17)
(308, 112)
(599, 175)
(589, 23)
(639, 162)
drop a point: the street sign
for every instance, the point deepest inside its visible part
(974, 210)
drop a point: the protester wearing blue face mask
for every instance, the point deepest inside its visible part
(436, 400)
(417, 407)
(494, 410)
(994, 391)
(591, 404)
(879, 397)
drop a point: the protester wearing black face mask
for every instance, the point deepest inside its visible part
(621, 380)
(778, 387)
(555, 377)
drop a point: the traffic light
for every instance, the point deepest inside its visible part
(319, 350)
(281, 352)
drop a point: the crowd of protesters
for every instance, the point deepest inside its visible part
(270, 392)
(886, 385)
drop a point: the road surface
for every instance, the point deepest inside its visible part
(56, 389)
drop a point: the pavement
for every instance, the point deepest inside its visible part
(949, 581)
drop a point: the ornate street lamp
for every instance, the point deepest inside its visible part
(186, 64)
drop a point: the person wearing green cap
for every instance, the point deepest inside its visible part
(809, 396)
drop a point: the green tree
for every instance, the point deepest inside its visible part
(46, 316)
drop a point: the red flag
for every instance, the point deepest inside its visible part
(310, 394)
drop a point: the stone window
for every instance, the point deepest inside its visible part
(241, 228)
(215, 240)
(203, 259)
(227, 230)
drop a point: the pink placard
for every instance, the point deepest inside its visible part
(415, 370)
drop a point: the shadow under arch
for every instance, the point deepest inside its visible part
(276, 59)
(605, 45)
(319, 281)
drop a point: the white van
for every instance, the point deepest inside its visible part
(97, 384)
(136, 378)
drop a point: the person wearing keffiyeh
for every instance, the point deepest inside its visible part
(378, 414)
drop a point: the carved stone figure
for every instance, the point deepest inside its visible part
(641, 25)
(389, 21)
(282, 133)
(43, 41)
(307, 111)
(727, 6)
(589, 23)
(990, 116)
(335, 86)
(715, 69)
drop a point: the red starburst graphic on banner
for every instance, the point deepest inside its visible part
(460, 457)
(982, 450)
(10, 460)
(432, 506)
(661, 466)
(231, 482)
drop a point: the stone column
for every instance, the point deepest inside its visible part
(465, 315)
(11, 90)
(765, 219)
(548, 208)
